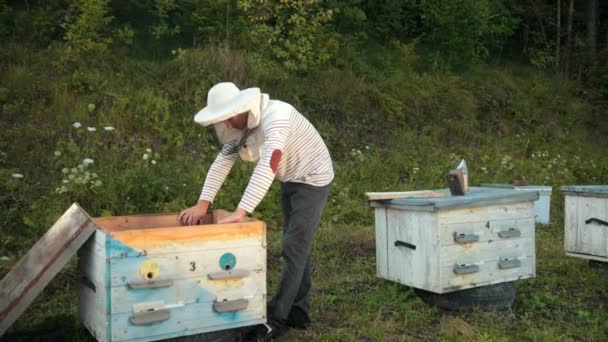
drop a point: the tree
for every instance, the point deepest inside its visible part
(569, 40)
(558, 35)
(592, 9)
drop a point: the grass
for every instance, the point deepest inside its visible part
(566, 301)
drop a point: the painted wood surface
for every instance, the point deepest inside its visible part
(93, 287)
(195, 318)
(522, 210)
(412, 249)
(381, 242)
(489, 273)
(46, 258)
(165, 240)
(145, 269)
(582, 235)
(481, 252)
(183, 265)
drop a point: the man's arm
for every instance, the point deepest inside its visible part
(215, 178)
(218, 172)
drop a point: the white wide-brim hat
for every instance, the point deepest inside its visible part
(225, 100)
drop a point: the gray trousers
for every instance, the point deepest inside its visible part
(302, 206)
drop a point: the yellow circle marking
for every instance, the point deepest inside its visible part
(149, 270)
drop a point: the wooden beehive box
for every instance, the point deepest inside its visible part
(586, 221)
(145, 277)
(450, 243)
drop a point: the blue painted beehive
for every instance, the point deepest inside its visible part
(145, 277)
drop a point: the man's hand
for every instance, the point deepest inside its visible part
(194, 215)
(236, 216)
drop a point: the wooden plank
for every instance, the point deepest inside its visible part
(489, 273)
(414, 263)
(587, 256)
(180, 239)
(46, 258)
(185, 320)
(149, 221)
(381, 242)
(571, 223)
(184, 265)
(376, 196)
(191, 290)
(484, 252)
(487, 230)
(593, 237)
(93, 290)
(520, 210)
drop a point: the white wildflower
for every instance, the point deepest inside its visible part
(97, 183)
(65, 180)
(93, 175)
(17, 175)
(145, 156)
(153, 162)
(65, 170)
(57, 153)
(91, 129)
(77, 124)
(91, 107)
(74, 170)
(148, 150)
(88, 161)
(109, 128)
(166, 187)
(81, 167)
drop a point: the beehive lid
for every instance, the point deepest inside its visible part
(43, 261)
(518, 187)
(586, 190)
(477, 197)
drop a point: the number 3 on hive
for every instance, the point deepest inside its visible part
(192, 266)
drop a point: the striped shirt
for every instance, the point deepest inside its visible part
(293, 152)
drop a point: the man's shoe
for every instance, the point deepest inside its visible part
(298, 319)
(268, 331)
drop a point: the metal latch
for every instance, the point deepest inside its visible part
(150, 317)
(464, 269)
(504, 264)
(230, 305)
(509, 233)
(150, 284)
(232, 274)
(465, 238)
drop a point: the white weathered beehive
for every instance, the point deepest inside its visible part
(450, 243)
(586, 221)
(146, 278)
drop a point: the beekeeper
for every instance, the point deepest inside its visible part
(285, 146)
